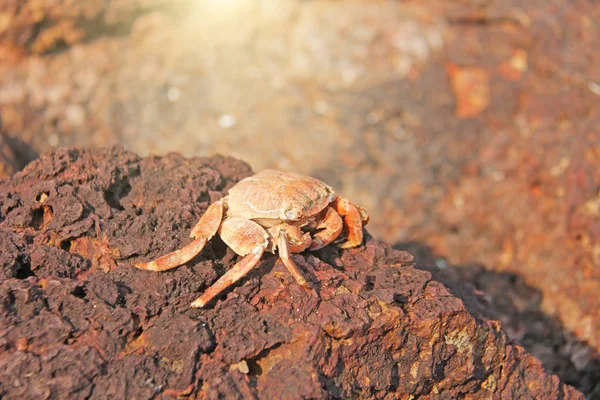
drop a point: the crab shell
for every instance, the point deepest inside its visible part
(272, 197)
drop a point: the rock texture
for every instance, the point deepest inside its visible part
(78, 321)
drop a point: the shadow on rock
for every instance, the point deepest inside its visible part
(15, 154)
(507, 297)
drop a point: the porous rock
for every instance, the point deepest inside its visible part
(78, 321)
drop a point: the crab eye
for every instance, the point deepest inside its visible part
(292, 213)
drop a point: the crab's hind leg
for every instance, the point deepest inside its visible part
(246, 238)
(331, 226)
(204, 230)
(354, 220)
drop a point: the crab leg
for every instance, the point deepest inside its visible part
(210, 221)
(354, 219)
(284, 254)
(176, 258)
(331, 226)
(204, 230)
(233, 275)
(246, 238)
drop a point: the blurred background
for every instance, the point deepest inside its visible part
(469, 129)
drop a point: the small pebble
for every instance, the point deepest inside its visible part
(321, 107)
(226, 121)
(75, 114)
(53, 140)
(173, 94)
(441, 263)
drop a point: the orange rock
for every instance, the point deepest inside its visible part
(98, 251)
(472, 89)
(514, 67)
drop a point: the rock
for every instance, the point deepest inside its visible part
(14, 155)
(8, 163)
(78, 321)
(35, 27)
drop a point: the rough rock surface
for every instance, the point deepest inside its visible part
(78, 321)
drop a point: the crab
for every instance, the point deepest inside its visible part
(270, 211)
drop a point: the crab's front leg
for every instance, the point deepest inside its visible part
(204, 230)
(291, 239)
(354, 219)
(246, 238)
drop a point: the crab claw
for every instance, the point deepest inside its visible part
(331, 226)
(354, 220)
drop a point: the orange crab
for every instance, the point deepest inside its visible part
(272, 210)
